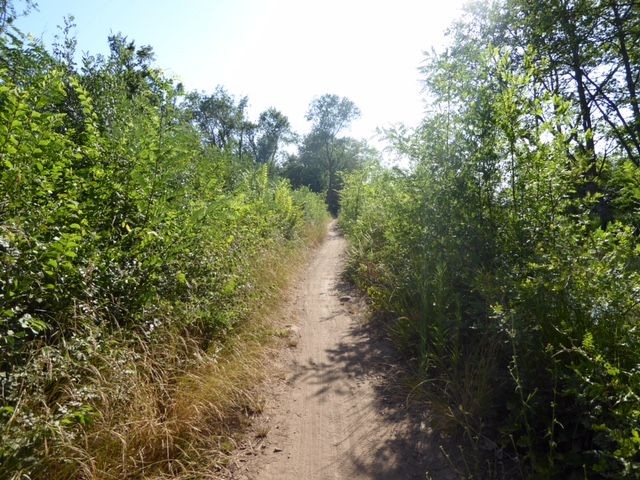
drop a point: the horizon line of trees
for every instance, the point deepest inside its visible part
(222, 118)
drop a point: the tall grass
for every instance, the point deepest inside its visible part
(165, 407)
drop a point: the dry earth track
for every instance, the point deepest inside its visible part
(338, 413)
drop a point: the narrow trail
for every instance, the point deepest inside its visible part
(335, 415)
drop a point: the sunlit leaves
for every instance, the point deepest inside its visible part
(512, 263)
(116, 217)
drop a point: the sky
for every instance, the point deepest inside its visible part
(280, 53)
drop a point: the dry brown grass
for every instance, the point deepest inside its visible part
(173, 410)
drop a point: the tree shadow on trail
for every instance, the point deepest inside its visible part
(386, 438)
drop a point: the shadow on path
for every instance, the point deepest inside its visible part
(397, 443)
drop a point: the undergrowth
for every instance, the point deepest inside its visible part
(509, 261)
(139, 265)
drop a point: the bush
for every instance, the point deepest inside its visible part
(517, 306)
(130, 252)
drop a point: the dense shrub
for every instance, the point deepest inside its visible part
(129, 251)
(510, 265)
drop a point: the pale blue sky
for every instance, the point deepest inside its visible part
(279, 53)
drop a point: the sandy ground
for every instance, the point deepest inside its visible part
(337, 412)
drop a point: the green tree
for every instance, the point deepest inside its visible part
(9, 13)
(221, 119)
(580, 53)
(308, 168)
(273, 129)
(322, 148)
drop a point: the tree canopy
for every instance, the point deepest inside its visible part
(323, 153)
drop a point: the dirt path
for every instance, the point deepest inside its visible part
(334, 416)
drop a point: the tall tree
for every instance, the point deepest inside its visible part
(221, 118)
(583, 52)
(272, 130)
(330, 115)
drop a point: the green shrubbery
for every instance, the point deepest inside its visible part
(523, 320)
(512, 267)
(129, 249)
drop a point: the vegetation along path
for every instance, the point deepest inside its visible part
(334, 417)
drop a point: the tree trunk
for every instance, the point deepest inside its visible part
(631, 87)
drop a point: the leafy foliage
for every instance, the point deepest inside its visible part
(509, 252)
(323, 154)
(131, 247)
